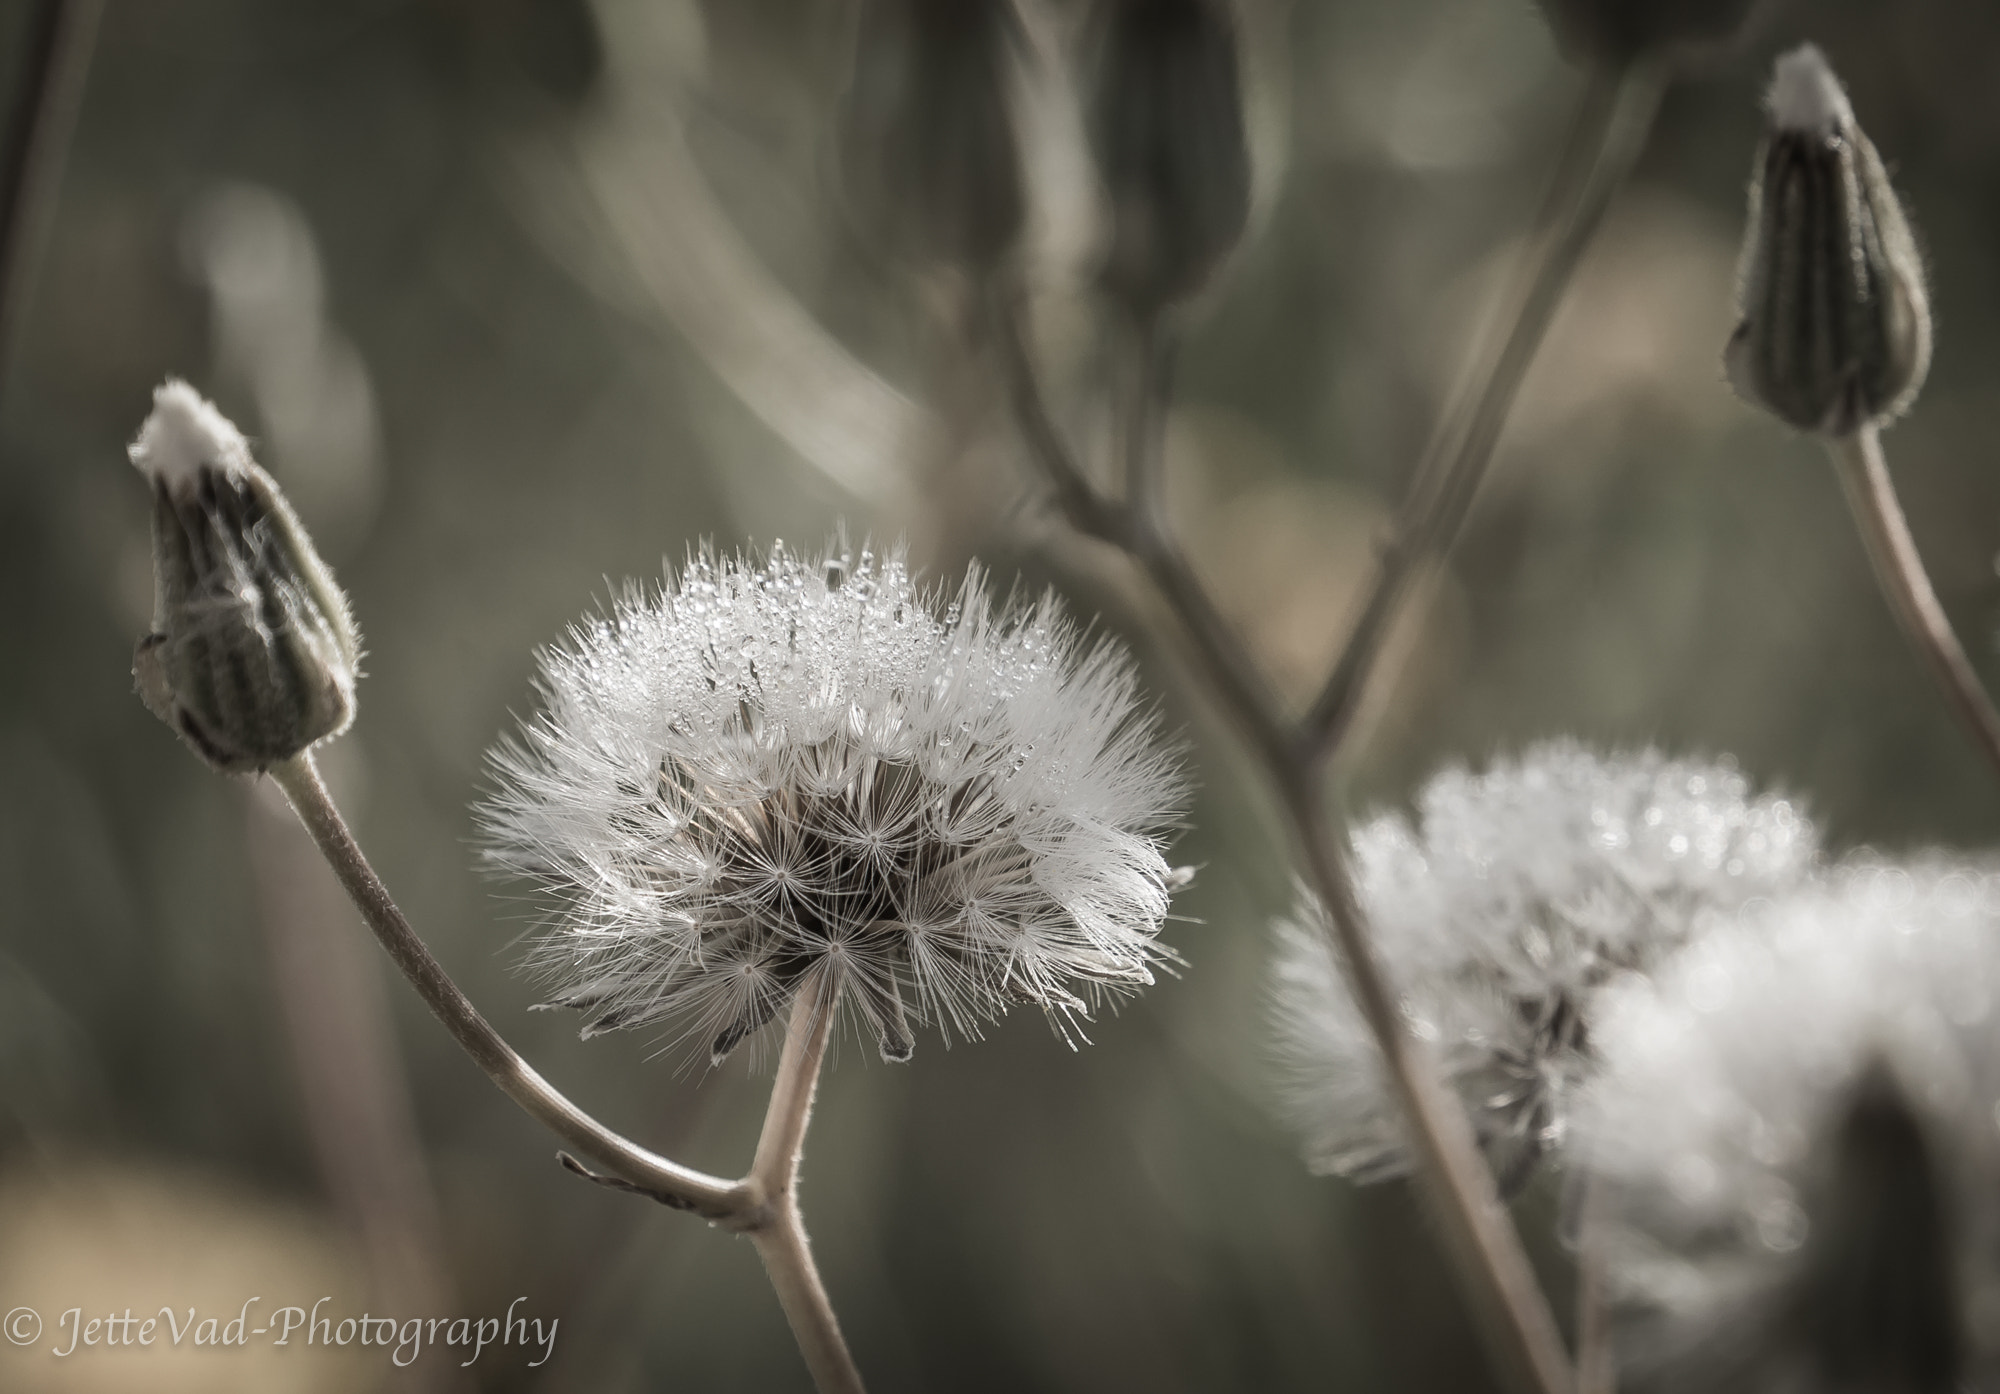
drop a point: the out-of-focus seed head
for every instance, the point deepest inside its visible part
(928, 157)
(1835, 323)
(1168, 133)
(1792, 1141)
(253, 655)
(1501, 913)
(796, 776)
(1617, 31)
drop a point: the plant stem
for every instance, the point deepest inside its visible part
(781, 1240)
(1492, 1266)
(1481, 1240)
(59, 40)
(1596, 1357)
(763, 1205)
(1613, 121)
(1610, 131)
(664, 1180)
(1219, 654)
(1899, 570)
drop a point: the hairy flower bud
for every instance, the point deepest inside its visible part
(253, 655)
(928, 159)
(1617, 31)
(1167, 127)
(1835, 330)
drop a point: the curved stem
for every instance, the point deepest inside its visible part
(1612, 125)
(664, 1180)
(762, 1205)
(1485, 1249)
(1245, 692)
(781, 1240)
(1899, 570)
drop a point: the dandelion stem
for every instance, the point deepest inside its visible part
(781, 1240)
(1480, 1237)
(1610, 130)
(664, 1180)
(776, 1166)
(1612, 124)
(1141, 533)
(1899, 570)
(1506, 1298)
(762, 1205)
(1596, 1359)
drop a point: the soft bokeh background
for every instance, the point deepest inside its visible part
(523, 297)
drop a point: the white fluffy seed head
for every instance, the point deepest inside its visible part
(185, 434)
(1724, 1080)
(797, 775)
(1500, 913)
(1805, 95)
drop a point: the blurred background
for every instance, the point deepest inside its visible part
(520, 298)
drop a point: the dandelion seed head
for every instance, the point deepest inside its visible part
(1501, 911)
(797, 775)
(1714, 1123)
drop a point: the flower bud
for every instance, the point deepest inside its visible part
(1835, 330)
(253, 655)
(1167, 128)
(928, 161)
(1617, 31)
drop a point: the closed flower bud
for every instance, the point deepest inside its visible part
(253, 656)
(1167, 128)
(1835, 331)
(928, 160)
(1617, 31)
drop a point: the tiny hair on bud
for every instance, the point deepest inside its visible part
(1805, 95)
(186, 434)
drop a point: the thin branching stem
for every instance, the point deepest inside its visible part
(1245, 692)
(1486, 1250)
(763, 1204)
(667, 1181)
(1479, 1236)
(1613, 121)
(781, 1241)
(1610, 131)
(1899, 570)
